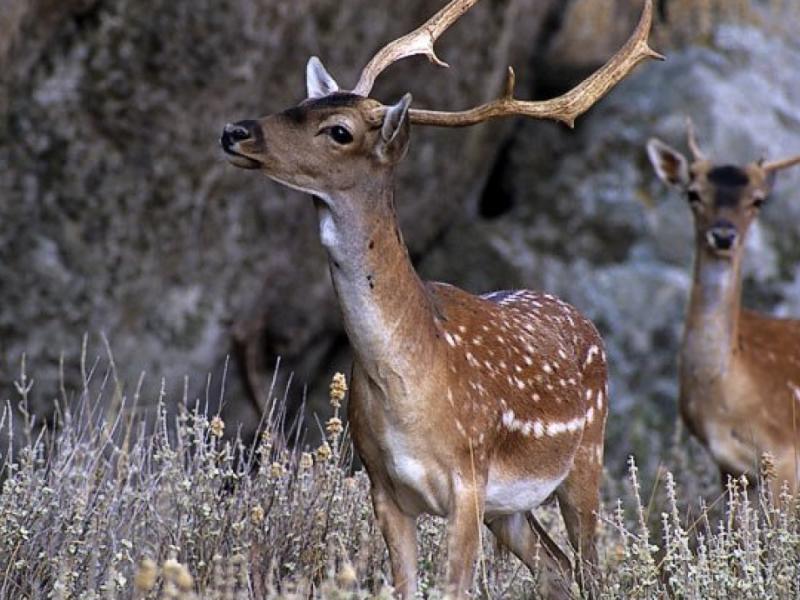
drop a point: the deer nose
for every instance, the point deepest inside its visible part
(238, 132)
(722, 236)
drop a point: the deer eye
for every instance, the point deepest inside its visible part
(758, 202)
(693, 196)
(340, 135)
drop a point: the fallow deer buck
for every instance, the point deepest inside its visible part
(739, 370)
(476, 408)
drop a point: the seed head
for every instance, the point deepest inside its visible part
(276, 470)
(306, 461)
(324, 452)
(347, 577)
(767, 466)
(338, 389)
(217, 426)
(334, 426)
(178, 574)
(257, 515)
(145, 578)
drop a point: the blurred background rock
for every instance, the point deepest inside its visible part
(118, 214)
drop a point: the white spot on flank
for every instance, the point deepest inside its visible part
(449, 339)
(547, 368)
(599, 400)
(571, 426)
(590, 355)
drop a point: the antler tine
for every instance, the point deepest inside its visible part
(565, 108)
(697, 153)
(419, 41)
(777, 165)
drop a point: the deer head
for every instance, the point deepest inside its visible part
(333, 140)
(336, 139)
(725, 199)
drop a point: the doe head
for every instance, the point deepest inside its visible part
(329, 142)
(724, 199)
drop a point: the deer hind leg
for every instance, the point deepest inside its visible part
(400, 534)
(579, 500)
(527, 539)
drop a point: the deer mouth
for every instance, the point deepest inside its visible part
(240, 160)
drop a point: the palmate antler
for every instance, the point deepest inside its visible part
(565, 108)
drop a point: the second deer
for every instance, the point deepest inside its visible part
(739, 369)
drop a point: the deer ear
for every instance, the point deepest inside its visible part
(670, 165)
(319, 82)
(395, 119)
(394, 130)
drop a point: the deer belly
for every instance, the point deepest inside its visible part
(505, 497)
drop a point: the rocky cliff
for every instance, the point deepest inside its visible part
(119, 216)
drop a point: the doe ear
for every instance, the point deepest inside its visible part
(319, 82)
(394, 130)
(670, 165)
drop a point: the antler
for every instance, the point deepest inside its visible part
(565, 108)
(777, 165)
(697, 153)
(419, 41)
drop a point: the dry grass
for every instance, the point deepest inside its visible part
(121, 499)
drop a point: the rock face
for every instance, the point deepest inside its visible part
(582, 215)
(119, 214)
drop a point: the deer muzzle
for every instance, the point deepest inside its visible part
(239, 139)
(722, 237)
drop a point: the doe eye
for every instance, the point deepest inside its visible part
(694, 197)
(340, 135)
(758, 202)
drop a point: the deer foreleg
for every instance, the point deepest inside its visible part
(400, 534)
(463, 537)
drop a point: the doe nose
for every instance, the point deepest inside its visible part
(238, 132)
(722, 236)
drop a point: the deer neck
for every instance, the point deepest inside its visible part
(387, 312)
(712, 322)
